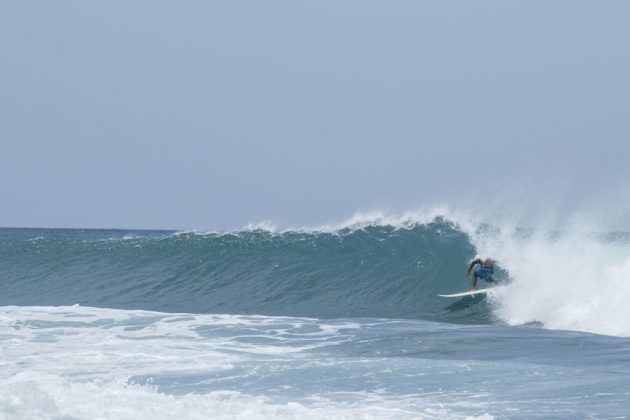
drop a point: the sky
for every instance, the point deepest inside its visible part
(217, 114)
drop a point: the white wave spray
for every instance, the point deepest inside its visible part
(564, 280)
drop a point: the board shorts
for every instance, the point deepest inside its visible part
(484, 273)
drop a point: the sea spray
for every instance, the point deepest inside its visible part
(564, 280)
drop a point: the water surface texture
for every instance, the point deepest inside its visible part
(340, 322)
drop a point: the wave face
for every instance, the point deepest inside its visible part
(373, 271)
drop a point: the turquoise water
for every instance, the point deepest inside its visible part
(338, 322)
(378, 271)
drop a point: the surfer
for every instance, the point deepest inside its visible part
(485, 271)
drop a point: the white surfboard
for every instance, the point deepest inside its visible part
(468, 293)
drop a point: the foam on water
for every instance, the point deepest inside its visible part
(90, 363)
(76, 362)
(34, 395)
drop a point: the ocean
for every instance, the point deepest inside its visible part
(335, 322)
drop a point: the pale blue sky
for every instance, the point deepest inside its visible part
(215, 114)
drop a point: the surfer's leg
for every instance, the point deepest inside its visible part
(474, 282)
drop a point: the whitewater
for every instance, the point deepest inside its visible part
(339, 321)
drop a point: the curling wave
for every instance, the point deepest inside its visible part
(371, 270)
(371, 266)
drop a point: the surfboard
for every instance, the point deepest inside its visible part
(468, 293)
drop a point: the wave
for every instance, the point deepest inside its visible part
(373, 265)
(371, 271)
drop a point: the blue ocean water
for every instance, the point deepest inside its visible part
(341, 322)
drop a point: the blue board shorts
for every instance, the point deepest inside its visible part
(484, 273)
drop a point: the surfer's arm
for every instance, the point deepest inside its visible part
(472, 264)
